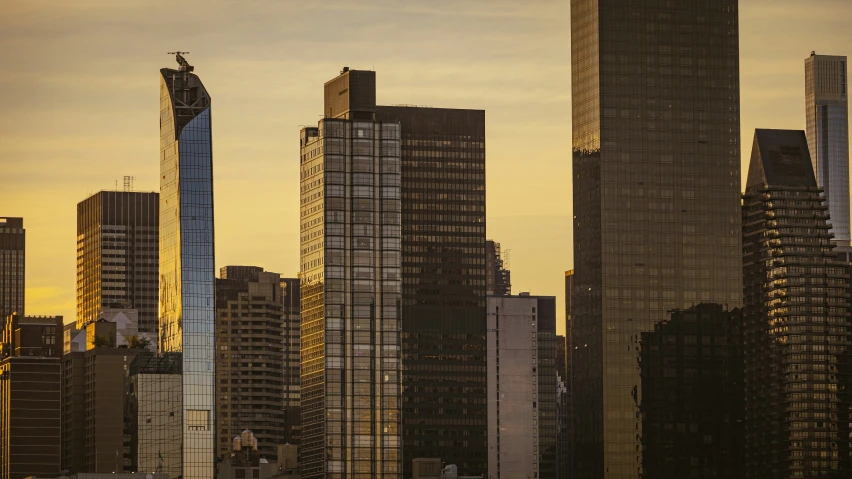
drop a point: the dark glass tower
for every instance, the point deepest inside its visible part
(350, 287)
(118, 255)
(12, 249)
(443, 285)
(186, 257)
(797, 329)
(656, 162)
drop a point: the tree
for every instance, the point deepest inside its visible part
(101, 341)
(138, 342)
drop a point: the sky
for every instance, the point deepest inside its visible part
(79, 100)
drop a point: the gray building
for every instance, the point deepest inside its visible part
(187, 274)
(12, 255)
(350, 287)
(522, 386)
(796, 324)
(656, 174)
(118, 256)
(827, 116)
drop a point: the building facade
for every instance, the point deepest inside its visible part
(30, 384)
(498, 279)
(522, 387)
(443, 285)
(250, 365)
(154, 399)
(350, 287)
(187, 274)
(118, 256)
(797, 327)
(94, 384)
(656, 159)
(12, 256)
(827, 119)
(692, 395)
(292, 314)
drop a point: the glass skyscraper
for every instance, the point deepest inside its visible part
(186, 257)
(12, 260)
(797, 330)
(827, 115)
(351, 287)
(656, 174)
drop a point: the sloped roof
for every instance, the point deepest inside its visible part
(780, 158)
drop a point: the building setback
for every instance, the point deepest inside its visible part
(350, 287)
(656, 160)
(250, 360)
(12, 256)
(522, 387)
(444, 285)
(118, 256)
(827, 118)
(30, 384)
(797, 328)
(187, 274)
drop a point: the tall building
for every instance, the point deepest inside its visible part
(292, 315)
(827, 115)
(692, 395)
(186, 323)
(250, 386)
(30, 381)
(522, 387)
(12, 255)
(498, 279)
(656, 172)
(350, 287)
(566, 425)
(444, 286)
(118, 256)
(94, 384)
(797, 327)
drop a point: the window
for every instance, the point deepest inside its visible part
(198, 419)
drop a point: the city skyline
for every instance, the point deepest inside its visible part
(775, 38)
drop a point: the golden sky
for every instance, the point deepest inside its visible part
(79, 108)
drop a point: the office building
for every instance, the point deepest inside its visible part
(186, 322)
(250, 385)
(30, 381)
(153, 402)
(827, 119)
(12, 255)
(796, 324)
(692, 394)
(522, 386)
(443, 285)
(498, 278)
(291, 315)
(350, 287)
(117, 256)
(656, 174)
(94, 384)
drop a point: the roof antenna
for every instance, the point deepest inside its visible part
(184, 65)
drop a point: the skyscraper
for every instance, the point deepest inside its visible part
(444, 285)
(497, 277)
(656, 172)
(522, 382)
(350, 286)
(797, 327)
(186, 323)
(827, 115)
(12, 255)
(292, 316)
(250, 360)
(118, 256)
